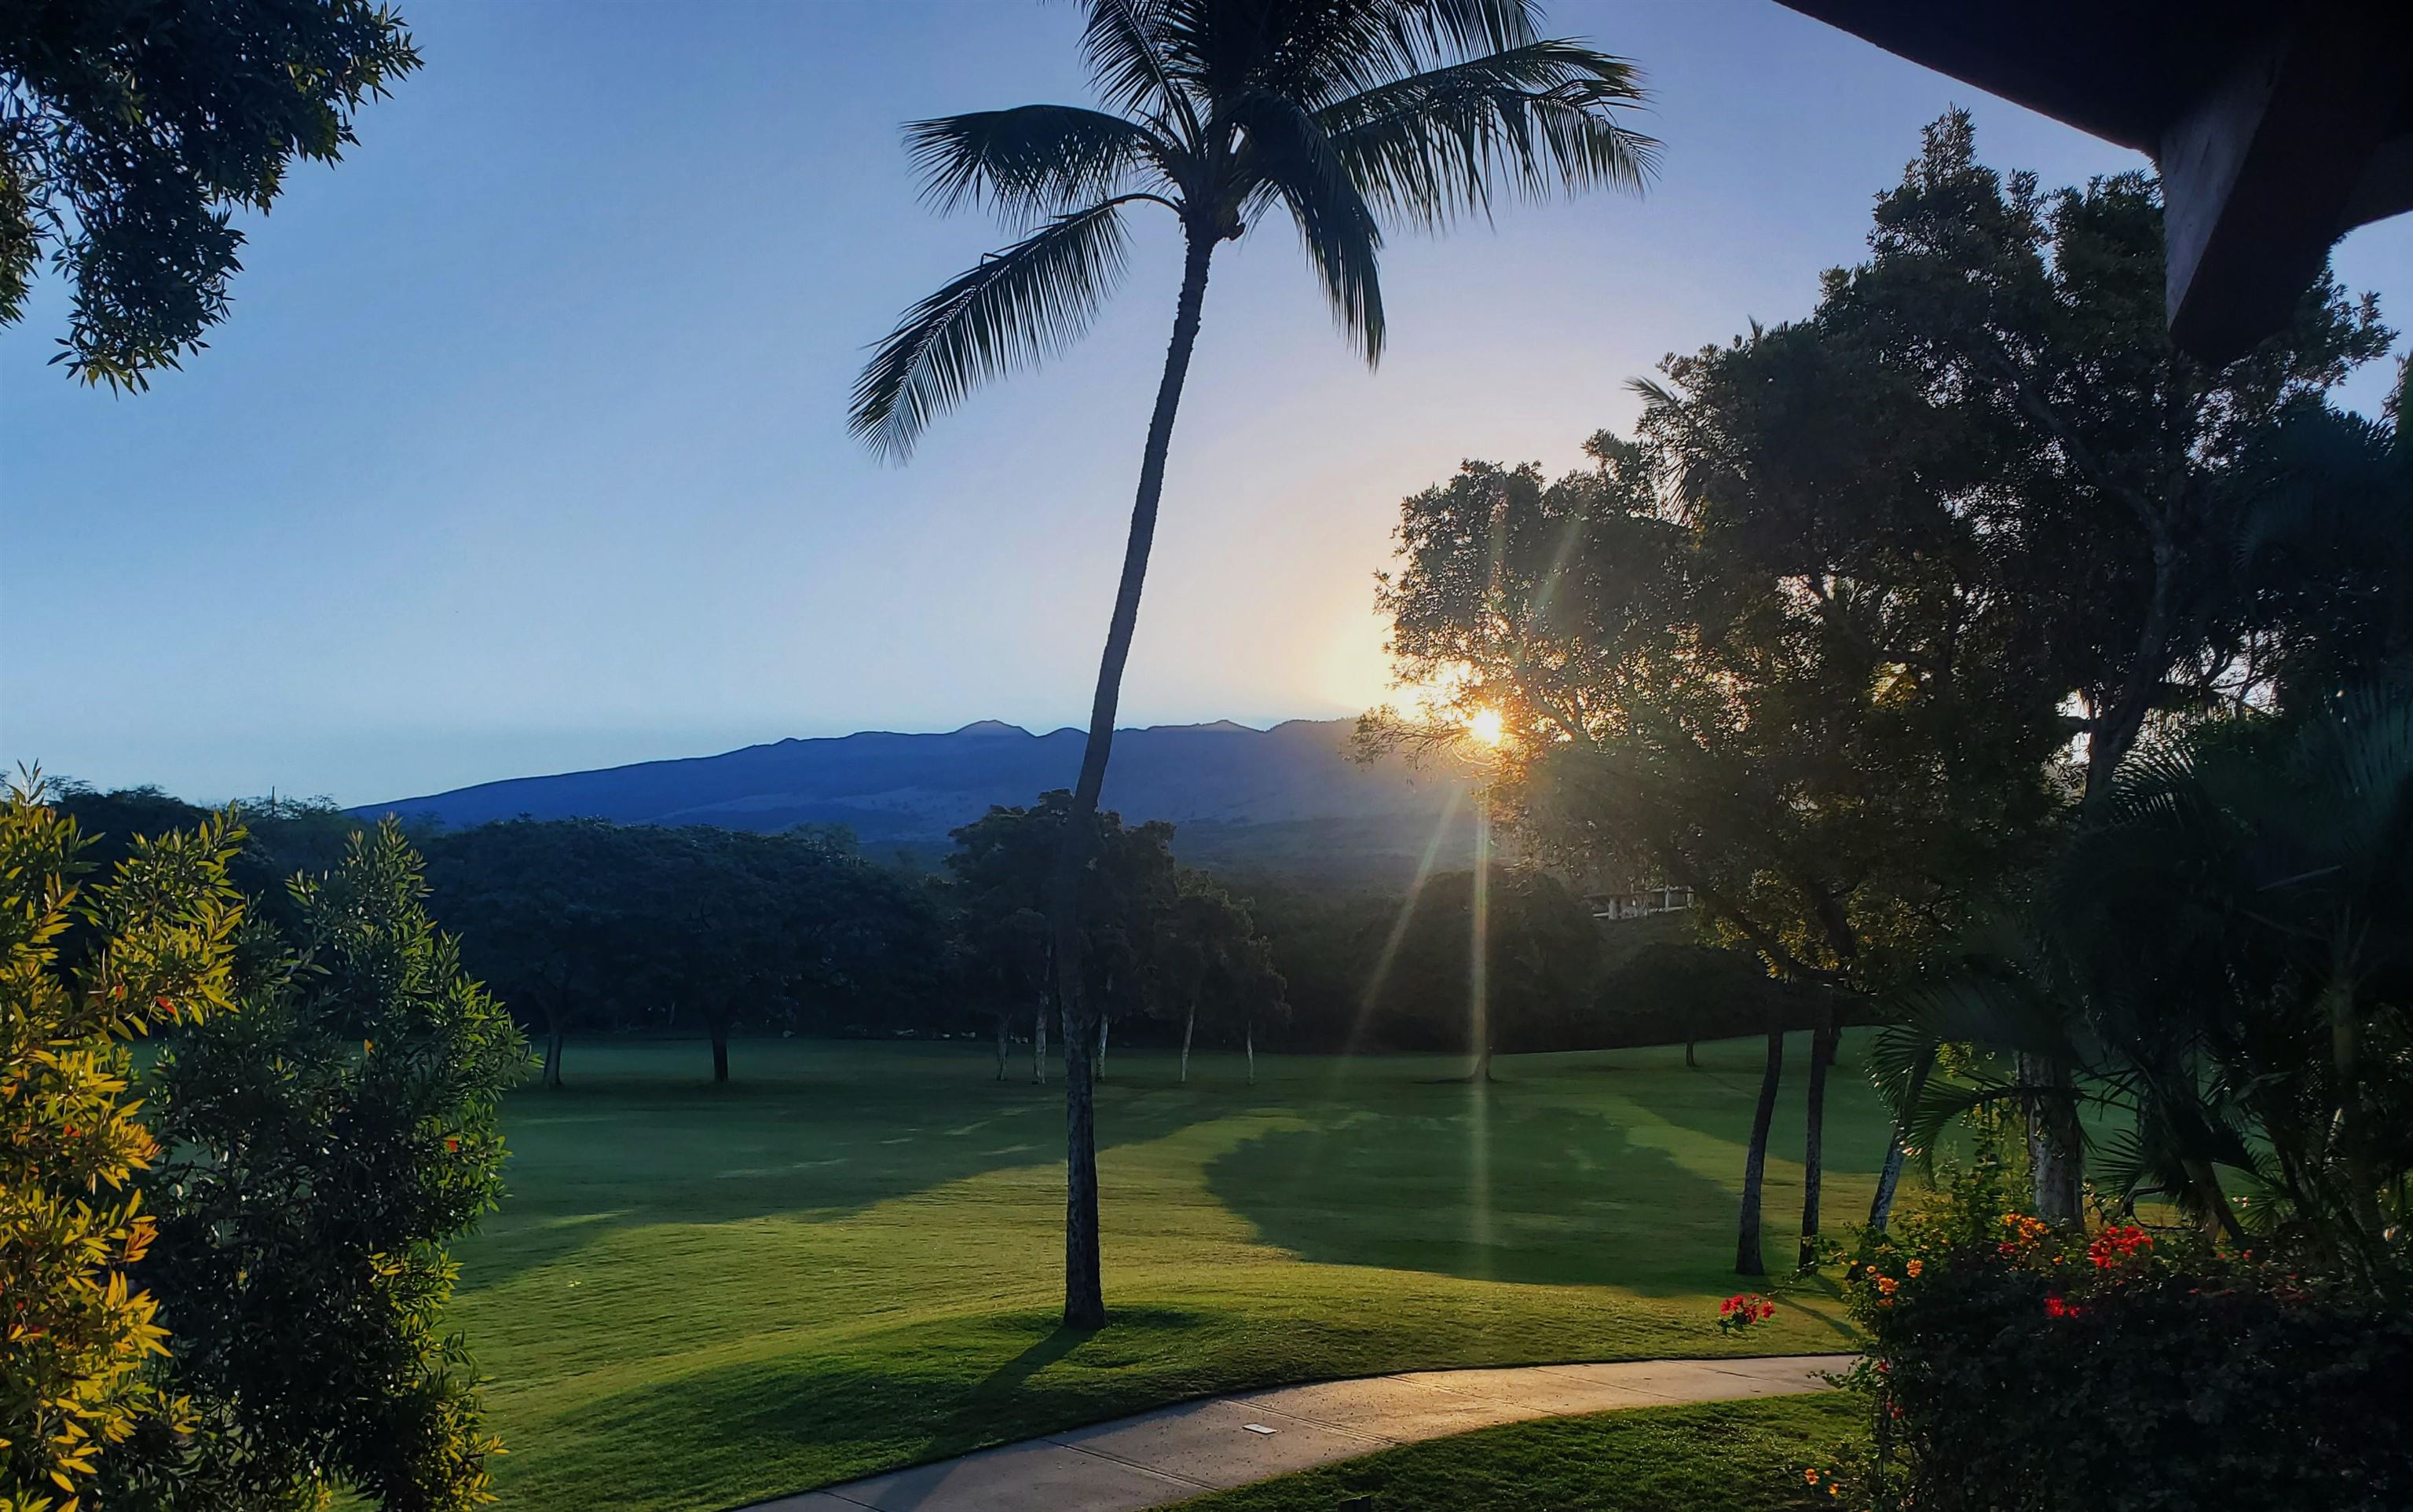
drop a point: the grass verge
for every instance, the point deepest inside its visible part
(1715, 1456)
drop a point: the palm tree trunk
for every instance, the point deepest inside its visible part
(1755, 1164)
(2055, 1154)
(1889, 1178)
(1105, 1022)
(1000, 1046)
(1189, 1027)
(1039, 1043)
(1691, 1062)
(1249, 1040)
(720, 1054)
(1814, 1144)
(1085, 1304)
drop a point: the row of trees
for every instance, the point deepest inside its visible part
(580, 924)
(1855, 630)
(583, 927)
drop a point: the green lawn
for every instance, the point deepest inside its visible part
(850, 1257)
(1717, 1457)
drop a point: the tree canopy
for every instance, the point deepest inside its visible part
(131, 134)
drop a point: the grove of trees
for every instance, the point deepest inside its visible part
(1855, 631)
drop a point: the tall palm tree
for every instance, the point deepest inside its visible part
(1352, 116)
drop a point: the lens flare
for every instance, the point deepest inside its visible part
(1486, 726)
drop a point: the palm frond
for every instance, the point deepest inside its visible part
(1033, 161)
(1293, 161)
(1123, 43)
(1324, 51)
(1530, 119)
(1021, 305)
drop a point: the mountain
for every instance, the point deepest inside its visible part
(1288, 799)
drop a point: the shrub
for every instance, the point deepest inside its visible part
(2015, 1367)
(77, 1334)
(326, 1143)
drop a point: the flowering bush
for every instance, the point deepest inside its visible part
(1743, 1310)
(2017, 1367)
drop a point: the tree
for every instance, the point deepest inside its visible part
(79, 1328)
(1346, 114)
(1246, 993)
(1741, 655)
(1502, 957)
(131, 133)
(1004, 867)
(545, 915)
(1000, 866)
(1003, 963)
(1200, 938)
(2117, 502)
(326, 1142)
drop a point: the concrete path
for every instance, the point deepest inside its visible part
(1175, 1453)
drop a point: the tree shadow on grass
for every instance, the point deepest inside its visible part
(1486, 1187)
(926, 1391)
(606, 1155)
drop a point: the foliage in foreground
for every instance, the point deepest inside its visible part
(2226, 961)
(327, 1140)
(71, 1227)
(1715, 1456)
(131, 134)
(2017, 1367)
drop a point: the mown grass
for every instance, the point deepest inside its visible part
(1716, 1457)
(850, 1257)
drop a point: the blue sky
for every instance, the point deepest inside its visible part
(524, 447)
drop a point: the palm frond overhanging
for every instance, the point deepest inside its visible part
(1348, 116)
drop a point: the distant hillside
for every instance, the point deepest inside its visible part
(1287, 799)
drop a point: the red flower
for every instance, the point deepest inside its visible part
(2055, 1306)
(2115, 1247)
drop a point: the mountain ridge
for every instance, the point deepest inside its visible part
(1292, 791)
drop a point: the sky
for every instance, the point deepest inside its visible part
(524, 448)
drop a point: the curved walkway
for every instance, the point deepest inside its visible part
(1175, 1453)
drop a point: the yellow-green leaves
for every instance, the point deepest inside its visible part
(158, 950)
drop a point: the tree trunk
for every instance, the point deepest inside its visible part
(1889, 1178)
(1189, 1027)
(1755, 1164)
(1813, 1142)
(1002, 1048)
(2055, 1160)
(1105, 1022)
(1085, 1305)
(720, 1055)
(1690, 1062)
(1039, 1045)
(1249, 1042)
(552, 1060)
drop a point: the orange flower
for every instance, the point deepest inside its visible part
(1915, 1267)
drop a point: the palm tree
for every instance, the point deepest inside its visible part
(1350, 116)
(2225, 957)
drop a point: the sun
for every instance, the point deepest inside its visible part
(1485, 726)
